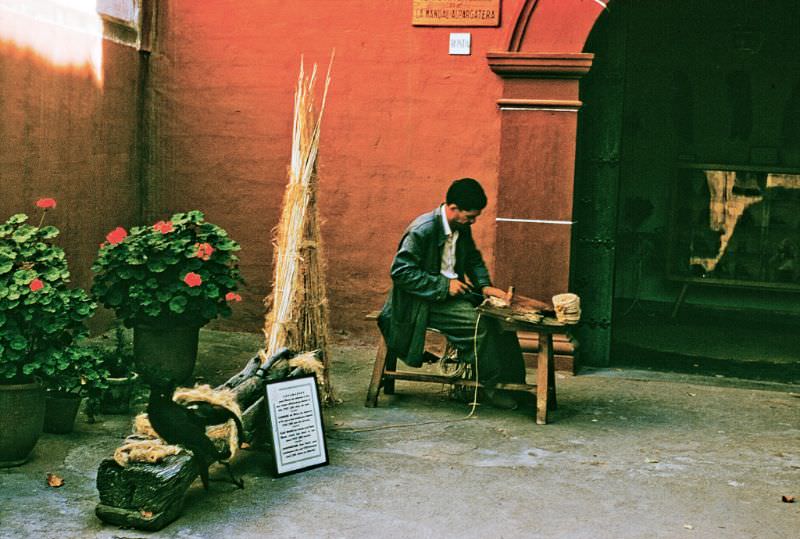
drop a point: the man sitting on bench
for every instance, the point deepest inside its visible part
(438, 278)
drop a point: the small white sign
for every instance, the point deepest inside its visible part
(298, 440)
(460, 43)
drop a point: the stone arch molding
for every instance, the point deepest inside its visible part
(552, 26)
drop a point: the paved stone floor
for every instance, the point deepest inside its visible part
(628, 454)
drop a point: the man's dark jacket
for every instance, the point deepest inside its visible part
(418, 282)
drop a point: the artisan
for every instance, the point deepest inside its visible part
(438, 276)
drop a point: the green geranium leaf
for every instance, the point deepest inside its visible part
(194, 291)
(17, 219)
(212, 291)
(156, 266)
(209, 311)
(154, 309)
(225, 310)
(18, 342)
(53, 274)
(227, 245)
(178, 304)
(179, 219)
(23, 277)
(23, 233)
(114, 297)
(48, 232)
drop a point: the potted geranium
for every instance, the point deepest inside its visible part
(40, 318)
(166, 280)
(76, 372)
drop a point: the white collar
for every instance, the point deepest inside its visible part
(445, 224)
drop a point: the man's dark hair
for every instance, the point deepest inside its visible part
(467, 194)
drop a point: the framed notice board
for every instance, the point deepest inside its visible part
(735, 226)
(295, 425)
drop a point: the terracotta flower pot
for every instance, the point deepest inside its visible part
(21, 421)
(166, 351)
(61, 409)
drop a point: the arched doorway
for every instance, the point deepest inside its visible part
(675, 87)
(687, 185)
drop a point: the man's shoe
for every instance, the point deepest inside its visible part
(500, 399)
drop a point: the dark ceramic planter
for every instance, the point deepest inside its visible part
(60, 411)
(21, 421)
(116, 398)
(165, 351)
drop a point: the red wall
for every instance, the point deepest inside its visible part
(67, 132)
(404, 118)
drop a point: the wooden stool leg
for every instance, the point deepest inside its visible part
(552, 401)
(391, 365)
(543, 359)
(377, 375)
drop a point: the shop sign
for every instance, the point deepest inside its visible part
(456, 13)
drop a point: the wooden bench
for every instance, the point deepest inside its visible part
(385, 371)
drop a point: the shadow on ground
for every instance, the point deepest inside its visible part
(627, 454)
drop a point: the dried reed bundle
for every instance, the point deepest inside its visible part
(297, 315)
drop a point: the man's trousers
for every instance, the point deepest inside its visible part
(499, 354)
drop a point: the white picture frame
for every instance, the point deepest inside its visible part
(296, 425)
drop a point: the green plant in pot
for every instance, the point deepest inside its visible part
(40, 318)
(117, 359)
(166, 281)
(77, 371)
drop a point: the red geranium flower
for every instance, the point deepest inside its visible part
(204, 250)
(193, 279)
(116, 235)
(46, 203)
(230, 296)
(36, 285)
(163, 226)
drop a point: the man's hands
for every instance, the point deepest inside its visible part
(496, 292)
(458, 288)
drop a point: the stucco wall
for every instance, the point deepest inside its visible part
(403, 119)
(67, 103)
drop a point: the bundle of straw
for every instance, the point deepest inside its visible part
(297, 308)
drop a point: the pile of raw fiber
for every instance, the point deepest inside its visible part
(303, 363)
(144, 445)
(297, 316)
